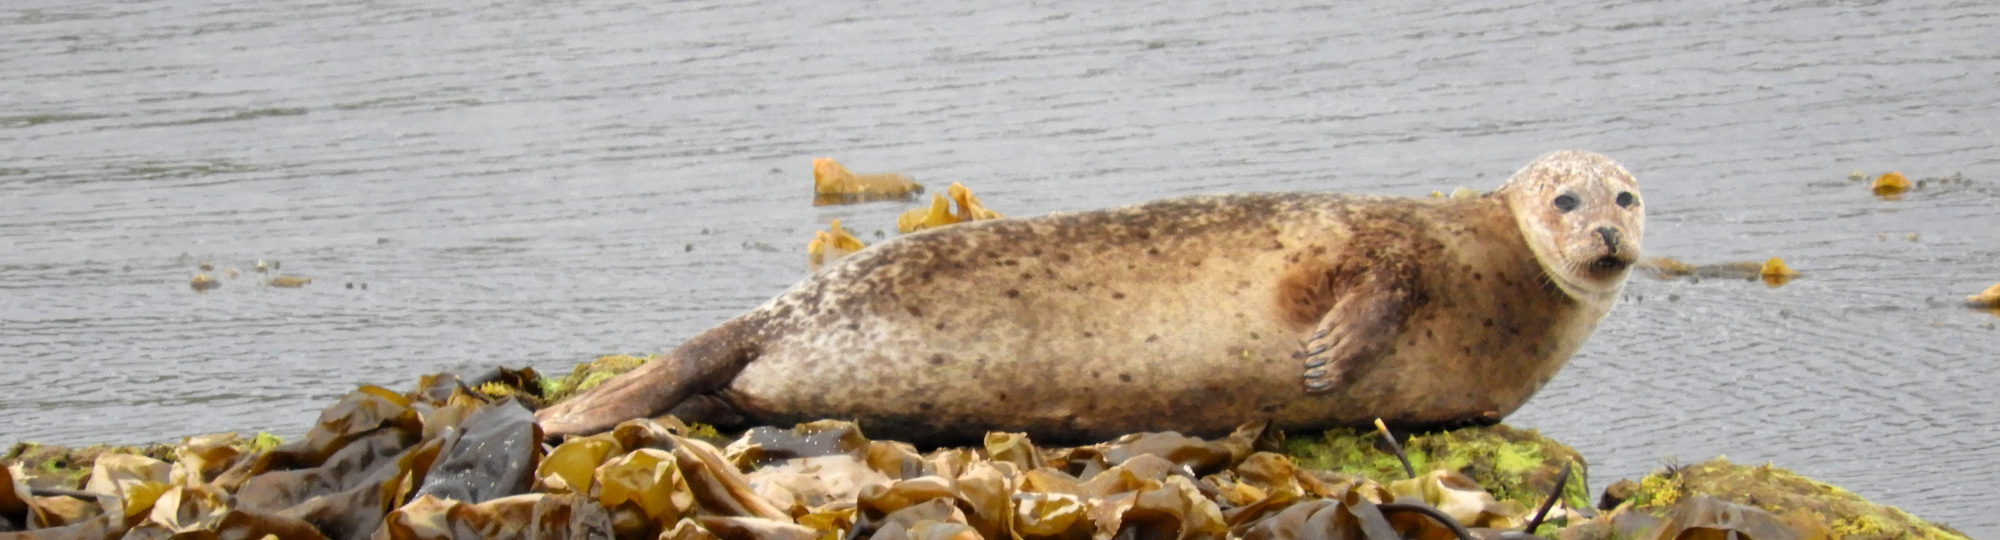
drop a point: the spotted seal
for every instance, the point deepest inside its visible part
(1194, 314)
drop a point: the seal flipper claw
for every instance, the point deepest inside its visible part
(707, 362)
(1357, 330)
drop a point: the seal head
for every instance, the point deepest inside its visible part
(1581, 214)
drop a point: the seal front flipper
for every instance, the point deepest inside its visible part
(701, 365)
(1359, 329)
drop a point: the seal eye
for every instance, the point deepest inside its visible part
(1626, 200)
(1566, 202)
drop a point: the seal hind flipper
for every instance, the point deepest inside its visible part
(1358, 330)
(703, 364)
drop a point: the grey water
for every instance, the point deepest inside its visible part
(540, 182)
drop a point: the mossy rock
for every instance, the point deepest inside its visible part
(1513, 464)
(1785, 493)
(587, 376)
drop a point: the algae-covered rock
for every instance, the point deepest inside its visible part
(1785, 494)
(1513, 464)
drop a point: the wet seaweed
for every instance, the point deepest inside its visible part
(459, 457)
(940, 212)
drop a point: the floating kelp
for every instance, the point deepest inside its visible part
(940, 212)
(1890, 186)
(289, 282)
(830, 245)
(834, 184)
(203, 283)
(1664, 268)
(969, 207)
(1773, 271)
(1989, 299)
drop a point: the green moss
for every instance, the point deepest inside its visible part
(496, 390)
(1860, 526)
(1515, 459)
(263, 442)
(1658, 490)
(549, 386)
(704, 432)
(1784, 493)
(1516, 465)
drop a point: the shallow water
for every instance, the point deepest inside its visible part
(538, 183)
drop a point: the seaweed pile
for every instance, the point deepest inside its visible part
(461, 457)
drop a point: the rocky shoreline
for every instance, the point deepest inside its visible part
(460, 458)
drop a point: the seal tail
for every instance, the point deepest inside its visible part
(705, 363)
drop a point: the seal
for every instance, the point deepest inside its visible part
(1193, 314)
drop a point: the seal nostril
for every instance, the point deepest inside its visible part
(1610, 236)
